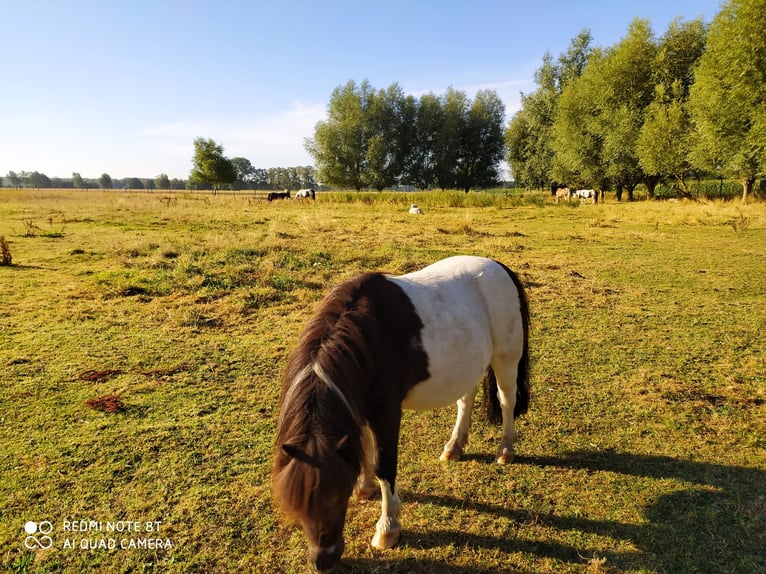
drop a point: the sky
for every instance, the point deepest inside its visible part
(125, 86)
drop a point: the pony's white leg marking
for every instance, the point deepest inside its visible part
(505, 371)
(388, 529)
(366, 485)
(453, 450)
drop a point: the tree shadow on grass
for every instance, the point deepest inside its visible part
(717, 524)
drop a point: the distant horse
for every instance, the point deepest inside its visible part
(278, 195)
(379, 343)
(415, 210)
(562, 193)
(586, 194)
(305, 194)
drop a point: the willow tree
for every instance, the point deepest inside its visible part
(664, 142)
(728, 99)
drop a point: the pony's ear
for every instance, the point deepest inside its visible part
(291, 451)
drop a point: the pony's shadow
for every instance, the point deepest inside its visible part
(716, 522)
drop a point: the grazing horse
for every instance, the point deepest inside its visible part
(415, 210)
(279, 195)
(586, 194)
(305, 194)
(379, 343)
(562, 193)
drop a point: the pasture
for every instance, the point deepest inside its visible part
(643, 449)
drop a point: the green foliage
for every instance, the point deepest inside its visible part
(648, 109)
(382, 138)
(728, 98)
(210, 167)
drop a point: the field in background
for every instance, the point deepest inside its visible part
(643, 450)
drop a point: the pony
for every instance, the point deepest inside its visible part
(278, 195)
(562, 193)
(586, 194)
(377, 344)
(305, 194)
(415, 210)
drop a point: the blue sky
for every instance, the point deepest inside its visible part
(124, 87)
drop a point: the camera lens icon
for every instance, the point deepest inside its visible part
(44, 542)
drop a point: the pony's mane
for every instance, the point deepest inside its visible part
(334, 345)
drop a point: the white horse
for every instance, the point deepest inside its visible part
(415, 210)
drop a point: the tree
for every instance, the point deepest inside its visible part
(14, 179)
(530, 135)
(664, 142)
(727, 102)
(448, 147)
(162, 181)
(420, 167)
(105, 181)
(601, 113)
(134, 183)
(39, 180)
(340, 143)
(483, 142)
(244, 170)
(210, 166)
(77, 181)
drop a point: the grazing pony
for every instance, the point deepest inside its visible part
(562, 193)
(279, 195)
(586, 194)
(305, 194)
(377, 344)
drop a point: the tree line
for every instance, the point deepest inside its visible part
(648, 110)
(235, 173)
(384, 138)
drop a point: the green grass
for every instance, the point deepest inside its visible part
(643, 450)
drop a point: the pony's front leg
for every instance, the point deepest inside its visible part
(388, 529)
(366, 484)
(453, 450)
(386, 428)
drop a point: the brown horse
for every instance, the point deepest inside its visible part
(378, 344)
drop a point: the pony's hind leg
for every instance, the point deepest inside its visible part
(505, 371)
(453, 450)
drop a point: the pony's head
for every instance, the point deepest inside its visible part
(313, 482)
(319, 449)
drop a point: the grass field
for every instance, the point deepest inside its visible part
(643, 449)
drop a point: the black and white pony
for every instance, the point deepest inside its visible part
(305, 194)
(378, 344)
(585, 194)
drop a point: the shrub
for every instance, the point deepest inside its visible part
(5, 252)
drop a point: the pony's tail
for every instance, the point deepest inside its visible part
(493, 412)
(492, 409)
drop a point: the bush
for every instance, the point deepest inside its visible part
(5, 252)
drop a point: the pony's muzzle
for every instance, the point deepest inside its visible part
(325, 559)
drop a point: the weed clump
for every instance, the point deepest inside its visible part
(5, 252)
(107, 403)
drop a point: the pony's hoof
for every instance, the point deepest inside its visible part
(505, 458)
(385, 540)
(449, 455)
